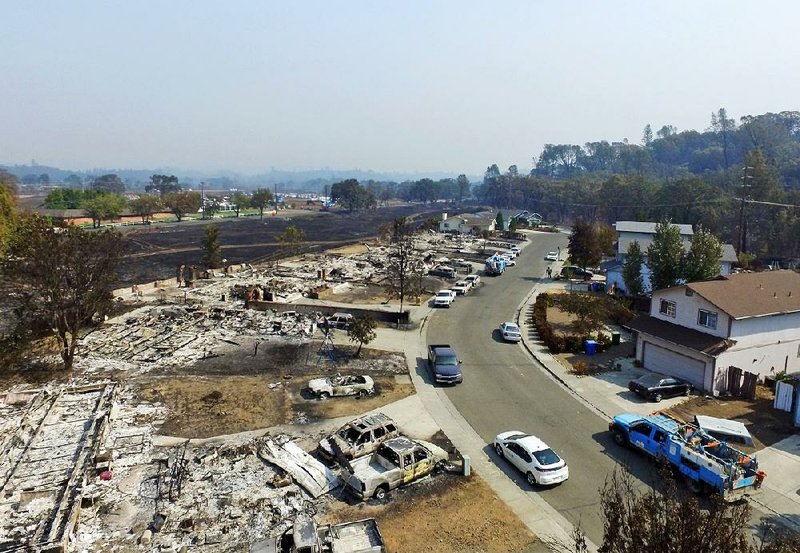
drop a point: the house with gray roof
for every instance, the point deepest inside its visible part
(698, 330)
(643, 232)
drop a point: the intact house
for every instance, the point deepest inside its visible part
(629, 232)
(470, 223)
(698, 330)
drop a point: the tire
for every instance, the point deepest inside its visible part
(531, 478)
(687, 391)
(380, 493)
(657, 398)
(324, 395)
(499, 449)
(362, 393)
(620, 439)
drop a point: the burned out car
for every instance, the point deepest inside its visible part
(358, 437)
(342, 385)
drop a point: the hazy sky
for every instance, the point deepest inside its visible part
(408, 86)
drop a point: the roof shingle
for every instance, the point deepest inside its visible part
(746, 295)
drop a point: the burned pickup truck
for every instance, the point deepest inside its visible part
(362, 536)
(358, 437)
(396, 462)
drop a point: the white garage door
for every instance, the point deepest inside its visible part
(662, 360)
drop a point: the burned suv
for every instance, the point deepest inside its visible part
(358, 437)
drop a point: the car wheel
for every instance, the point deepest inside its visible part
(620, 438)
(324, 395)
(380, 493)
(657, 397)
(499, 449)
(687, 391)
(362, 393)
(531, 478)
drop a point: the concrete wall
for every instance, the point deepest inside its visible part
(763, 360)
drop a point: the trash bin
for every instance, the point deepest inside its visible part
(590, 347)
(615, 338)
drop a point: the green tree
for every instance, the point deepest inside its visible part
(212, 249)
(108, 183)
(584, 246)
(68, 275)
(362, 331)
(665, 256)
(63, 198)
(499, 221)
(164, 184)
(702, 260)
(211, 207)
(239, 201)
(145, 206)
(292, 238)
(632, 270)
(513, 225)
(589, 311)
(348, 193)
(183, 203)
(8, 191)
(463, 187)
(104, 207)
(261, 199)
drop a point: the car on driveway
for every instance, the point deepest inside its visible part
(551, 256)
(655, 387)
(510, 332)
(342, 385)
(534, 458)
(572, 271)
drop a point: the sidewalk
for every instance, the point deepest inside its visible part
(607, 394)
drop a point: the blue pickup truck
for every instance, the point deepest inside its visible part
(707, 464)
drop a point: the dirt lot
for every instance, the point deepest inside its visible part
(451, 514)
(766, 425)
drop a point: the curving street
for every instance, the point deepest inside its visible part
(505, 388)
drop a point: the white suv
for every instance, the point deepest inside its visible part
(444, 298)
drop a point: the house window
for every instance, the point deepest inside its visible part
(707, 318)
(667, 308)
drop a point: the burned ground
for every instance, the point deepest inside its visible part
(157, 250)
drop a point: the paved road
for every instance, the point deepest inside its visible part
(505, 389)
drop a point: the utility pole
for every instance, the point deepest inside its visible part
(276, 197)
(203, 197)
(740, 244)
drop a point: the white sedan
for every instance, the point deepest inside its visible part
(510, 332)
(540, 464)
(509, 261)
(551, 256)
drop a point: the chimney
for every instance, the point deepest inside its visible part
(444, 216)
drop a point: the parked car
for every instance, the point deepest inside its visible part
(444, 364)
(443, 271)
(342, 385)
(444, 298)
(461, 287)
(340, 320)
(516, 249)
(551, 256)
(540, 464)
(473, 279)
(655, 386)
(510, 261)
(510, 253)
(573, 271)
(510, 332)
(359, 437)
(462, 263)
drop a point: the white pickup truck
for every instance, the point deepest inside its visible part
(444, 298)
(396, 462)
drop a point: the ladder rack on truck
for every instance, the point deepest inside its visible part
(706, 463)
